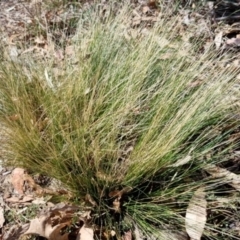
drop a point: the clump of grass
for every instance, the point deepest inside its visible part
(113, 127)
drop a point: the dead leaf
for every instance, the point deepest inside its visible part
(186, 20)
(235, 42)
(119, 193)
(182, 161)
(2, 203)
(15, 199)
(40, 40)
(89, 199)
(22, 181)
(2, 219)
(196, 215)
(85, 233)
(218, 40)
(15, 232)
(30, 183)
(112, 233)
(40, 226)
(52, 225)
(226, 176)
(117, 205)
(57, 232)
(127, 235)
(27, 198)
(236, 63)
(18, 180)
(138, 234)
(39, 201)
(145, 9)
(153, 4)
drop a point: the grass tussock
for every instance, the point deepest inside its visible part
(130, 104)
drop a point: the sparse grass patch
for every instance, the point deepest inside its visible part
(51, 21)
(115, 126)
(21, 215)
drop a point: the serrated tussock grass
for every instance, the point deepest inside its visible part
(129, 105)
